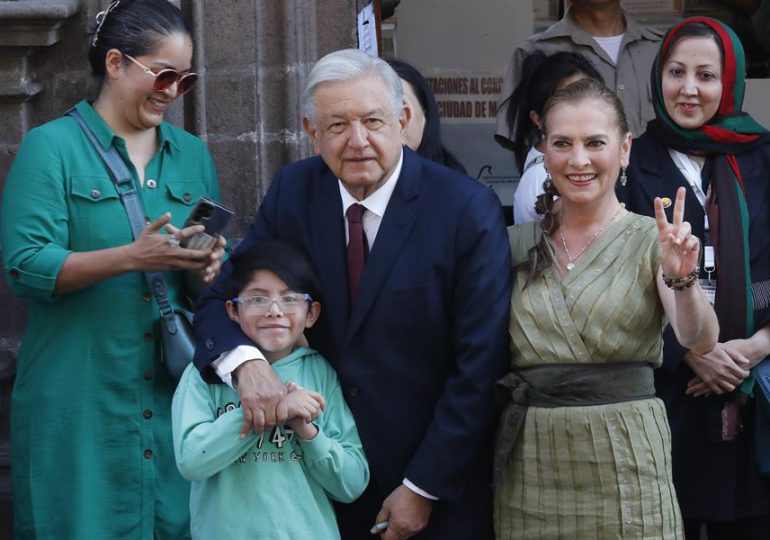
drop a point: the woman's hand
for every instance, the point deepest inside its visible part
(679, 249)
(687, 308)
(156, 252)
(754, 349)
(718, 371)
(210, 271)
(745, 353)
(152, 251)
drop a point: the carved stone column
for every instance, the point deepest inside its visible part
(26, 27)
(254, 55)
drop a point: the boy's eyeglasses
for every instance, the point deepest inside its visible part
(166, 77)
(287, 303)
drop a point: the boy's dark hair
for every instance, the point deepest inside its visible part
(285, 260)
(136, 28)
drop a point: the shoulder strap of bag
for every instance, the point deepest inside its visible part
(124, 184)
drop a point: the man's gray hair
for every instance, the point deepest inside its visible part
(346, 65)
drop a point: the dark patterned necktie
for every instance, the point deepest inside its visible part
(356, 248)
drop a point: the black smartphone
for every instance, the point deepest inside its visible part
(213, 216)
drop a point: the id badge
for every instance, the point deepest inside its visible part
(709, 287)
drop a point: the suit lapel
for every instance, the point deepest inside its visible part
(394, 231)
(663, 177)
(329, 252)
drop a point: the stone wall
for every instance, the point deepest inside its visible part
(252, 56)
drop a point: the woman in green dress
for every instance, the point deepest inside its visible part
(583, 449)
(90, 427)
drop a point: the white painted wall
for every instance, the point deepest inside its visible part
(461, 33)
(467, 38)
(757, 101)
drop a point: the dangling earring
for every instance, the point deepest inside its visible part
(623, 177)
(541, 201)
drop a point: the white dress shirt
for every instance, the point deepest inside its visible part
(375, 204)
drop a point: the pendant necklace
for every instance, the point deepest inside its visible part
(570, 259)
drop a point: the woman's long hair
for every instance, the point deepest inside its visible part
(540, 76)
(431, 146)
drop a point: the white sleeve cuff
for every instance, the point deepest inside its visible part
(228, 361)
(419, 491)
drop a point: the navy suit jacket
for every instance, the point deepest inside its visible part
(418, 353)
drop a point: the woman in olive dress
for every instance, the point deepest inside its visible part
(583, 449)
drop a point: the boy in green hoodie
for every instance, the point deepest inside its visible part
(276, 484)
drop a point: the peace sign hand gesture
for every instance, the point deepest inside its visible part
(679, 249)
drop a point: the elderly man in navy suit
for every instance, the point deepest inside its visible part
(414, 264)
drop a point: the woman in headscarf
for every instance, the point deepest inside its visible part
(702, 141)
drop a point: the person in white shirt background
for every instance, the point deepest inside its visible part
(542, 76)
(619, 47)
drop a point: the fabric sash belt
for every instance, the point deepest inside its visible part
(564, 385)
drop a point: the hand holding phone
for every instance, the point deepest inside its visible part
(213, 216)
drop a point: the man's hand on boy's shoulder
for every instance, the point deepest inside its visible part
(303, 406)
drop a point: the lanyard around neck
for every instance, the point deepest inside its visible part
(691, 173)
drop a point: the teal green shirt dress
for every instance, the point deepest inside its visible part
(91, 405)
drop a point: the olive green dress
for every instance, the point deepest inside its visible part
(599, 471)
(91, 404)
